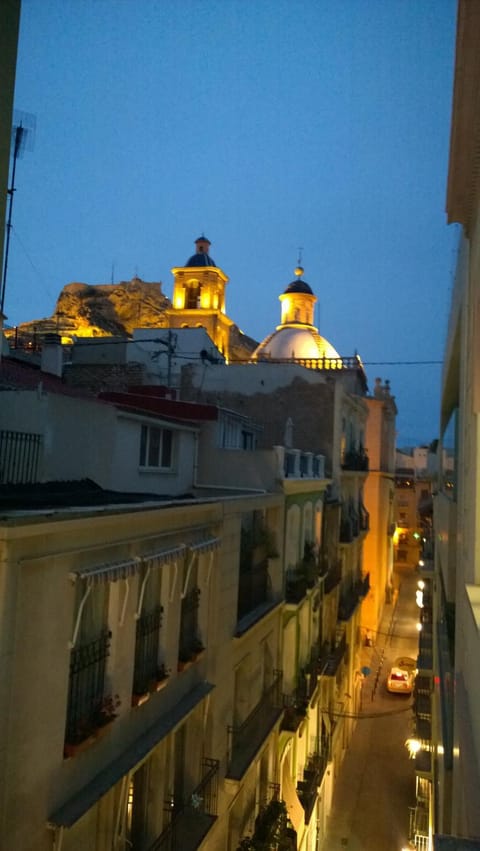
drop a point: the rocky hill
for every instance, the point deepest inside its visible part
(104, 310)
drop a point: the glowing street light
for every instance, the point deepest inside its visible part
(413, 746)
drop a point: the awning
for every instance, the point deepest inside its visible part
(166, 556)
(109, 572)
(87, 797)
(205, 545)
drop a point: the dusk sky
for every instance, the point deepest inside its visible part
(267, 125)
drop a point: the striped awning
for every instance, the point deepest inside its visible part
(166, 556)
(204, 545)
(109, 572)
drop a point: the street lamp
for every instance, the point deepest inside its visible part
(413, 746)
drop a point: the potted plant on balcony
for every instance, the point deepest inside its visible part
(161, 676)
(196, 649)
(92, 727)
(272, 830)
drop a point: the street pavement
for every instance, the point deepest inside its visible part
(375, 784)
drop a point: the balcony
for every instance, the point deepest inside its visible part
(335, 657)
(333, 577)
(307, 681)
(419, 827)
(295, 586)
(355, 460)
(351, 595)
(246, 739)
(272, 829)
(191, 821)
(307, 789)
(295, 711)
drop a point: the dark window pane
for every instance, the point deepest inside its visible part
(167, 448)
(143, 446)
(154, 447)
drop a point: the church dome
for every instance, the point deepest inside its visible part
(201, 257)
(299, 286)
(296, 337)
(290, 342)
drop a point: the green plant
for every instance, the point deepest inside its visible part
(272, 832)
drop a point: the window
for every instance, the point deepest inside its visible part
(156, 447)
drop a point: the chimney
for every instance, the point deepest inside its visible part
(52, 355)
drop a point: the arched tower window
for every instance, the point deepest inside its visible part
(192, 294)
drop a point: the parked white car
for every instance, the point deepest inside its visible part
(402, 675)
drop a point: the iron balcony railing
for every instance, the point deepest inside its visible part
(307, 681)
(86, 699)
(296, 703)
(191, 820)
(253, 588)
(307, 789)
(346, 530)
(419, 825)
(295, 586)
(351, 595)
(273, 829)
(19, 457)
(146, 650)
(333, 577)
(335, 656)
(355, 459)
(245, 740)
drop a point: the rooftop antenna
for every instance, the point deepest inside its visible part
(23, 131)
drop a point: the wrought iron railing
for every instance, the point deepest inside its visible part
(86, 688)
(189, 642)
(351, 595)
(307, 788)
(19, 457)
(333, 577)
(245, 739)
(146, 649)
(273, 828)
(346, 530)
(335, 656)
(355, 459)
(191, 820)
(295, 586)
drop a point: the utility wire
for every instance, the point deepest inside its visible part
(108, 341)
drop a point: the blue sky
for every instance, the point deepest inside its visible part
(267, 125)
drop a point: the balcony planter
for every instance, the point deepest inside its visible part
(272, 830)
(293, 717)
(190, 655)
(71, 749)
(138, 699)
(92, 728)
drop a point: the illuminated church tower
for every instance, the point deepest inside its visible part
(296, 337)
(199, 297)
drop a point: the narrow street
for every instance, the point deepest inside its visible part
(376, 782)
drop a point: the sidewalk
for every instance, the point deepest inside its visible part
(375, 784)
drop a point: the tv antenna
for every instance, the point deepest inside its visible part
(23, 131)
